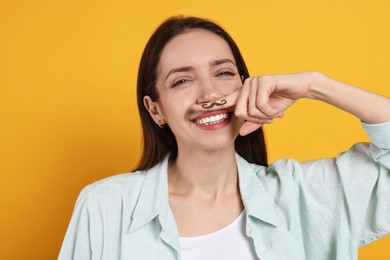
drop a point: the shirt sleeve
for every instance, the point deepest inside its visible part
(373, 216)
(360, 192)
(77, 243)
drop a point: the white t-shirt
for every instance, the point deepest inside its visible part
(228, 243)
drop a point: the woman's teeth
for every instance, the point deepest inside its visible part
(212, 119)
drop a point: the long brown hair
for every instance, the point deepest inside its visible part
(158, 142)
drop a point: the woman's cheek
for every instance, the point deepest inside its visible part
(231, 87)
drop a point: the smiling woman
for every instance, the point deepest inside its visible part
(157, 143)
(203, 188)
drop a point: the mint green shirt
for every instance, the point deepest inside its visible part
(323, 209)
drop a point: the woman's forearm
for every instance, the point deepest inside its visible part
(367, 106)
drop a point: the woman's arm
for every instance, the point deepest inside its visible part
(263, 98)
(367, 106)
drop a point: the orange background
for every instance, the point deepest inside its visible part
(67, 93)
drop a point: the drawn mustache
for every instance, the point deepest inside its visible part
(223, 102)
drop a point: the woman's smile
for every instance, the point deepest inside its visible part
(213, 120)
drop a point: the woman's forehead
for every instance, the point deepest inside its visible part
(192, 48)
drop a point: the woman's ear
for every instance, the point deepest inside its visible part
(154, 111)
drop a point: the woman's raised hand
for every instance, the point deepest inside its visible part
(267, 97)
(263, 98)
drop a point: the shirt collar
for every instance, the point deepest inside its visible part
(153, 200)
(255, 197)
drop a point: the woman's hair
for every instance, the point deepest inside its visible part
(158, 142)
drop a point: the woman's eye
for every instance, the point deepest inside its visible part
(179, 82)
(226, 73)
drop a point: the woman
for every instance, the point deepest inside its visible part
(203, 189)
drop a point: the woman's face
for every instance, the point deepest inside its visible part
(197, 67)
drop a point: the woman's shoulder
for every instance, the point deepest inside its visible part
(121, 179)
(118, 187)
(283, 166)
(289, 171)
(126, 187)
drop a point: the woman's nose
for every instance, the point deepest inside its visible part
(208, 92)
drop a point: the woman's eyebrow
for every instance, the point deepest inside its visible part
(189, 68)
(179, 69)
(221, 61)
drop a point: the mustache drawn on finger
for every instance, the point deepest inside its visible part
(211, 105)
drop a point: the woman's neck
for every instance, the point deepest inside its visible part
(209, 174)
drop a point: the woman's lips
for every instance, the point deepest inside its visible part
(213, 120)
(209, 120)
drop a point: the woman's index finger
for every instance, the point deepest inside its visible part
(222, 103)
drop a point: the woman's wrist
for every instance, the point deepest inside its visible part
(367, 106)
(318, 86)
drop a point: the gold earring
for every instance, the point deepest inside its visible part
(161, 125)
